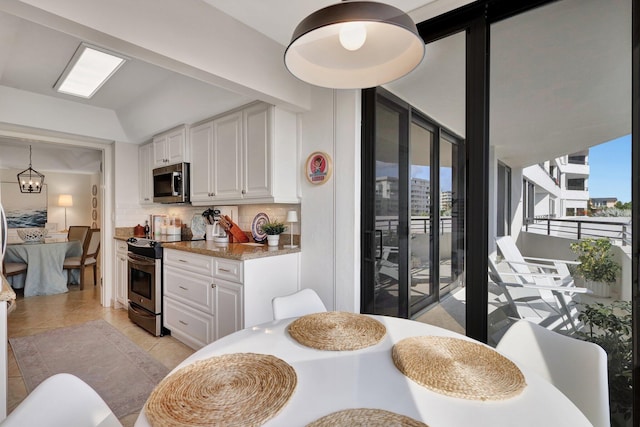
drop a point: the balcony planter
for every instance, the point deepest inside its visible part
(597, 265)
(599, 289)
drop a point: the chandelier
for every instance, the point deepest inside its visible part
(30, 180)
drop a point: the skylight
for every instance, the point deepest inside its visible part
(89, 68)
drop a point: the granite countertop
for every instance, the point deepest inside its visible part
(236, 251)
(7, 294)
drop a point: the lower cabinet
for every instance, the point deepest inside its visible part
(207, 298)
(121, 297)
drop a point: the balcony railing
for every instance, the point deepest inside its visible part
(418, 225)
(617, 232)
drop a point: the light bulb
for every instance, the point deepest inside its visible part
(353, 35)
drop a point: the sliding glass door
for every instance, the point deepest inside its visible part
(412, 208)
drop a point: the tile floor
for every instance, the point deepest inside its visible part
(37, 314)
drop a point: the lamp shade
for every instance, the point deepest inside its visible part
(65, 200)
(354, 45)
(292, 216)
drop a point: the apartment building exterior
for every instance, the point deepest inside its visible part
(557, 188)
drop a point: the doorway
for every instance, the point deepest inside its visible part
(414, 230)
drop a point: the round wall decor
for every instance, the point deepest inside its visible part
(94, 203)
(318, 168)
(94, 215)
(94, 190)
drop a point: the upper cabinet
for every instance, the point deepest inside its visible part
(145, 178)
(245, 156)
(171, 147)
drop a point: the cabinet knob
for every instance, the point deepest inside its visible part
(213, 286)
(184, 323)
(243, 192)
(183, 288)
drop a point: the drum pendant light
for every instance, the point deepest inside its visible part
(354, 45)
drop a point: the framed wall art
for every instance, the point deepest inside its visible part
(24, 209)
(318, 168)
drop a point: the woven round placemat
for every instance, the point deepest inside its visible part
(337, 330)
(244, 389)
(365, 417)
(458, 368)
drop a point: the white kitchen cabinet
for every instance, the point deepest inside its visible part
(206, 298)
(170, 147)
(228, 307)
(145, 171)
(201, 141)
(121, 276)
(245, 156)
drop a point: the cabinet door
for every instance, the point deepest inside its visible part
(257, 151)
(159, 148)
(176, 146)
(228, 308)
(145, 171)
(121, 275)
(192, 327)
(227, 156)
(201, 141)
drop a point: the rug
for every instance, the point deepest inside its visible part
(122, 373)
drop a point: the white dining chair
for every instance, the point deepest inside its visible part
(577, 368)
(62, 400)
(305, 301)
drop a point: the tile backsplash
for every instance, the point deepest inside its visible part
(246, 213)
(130, 216)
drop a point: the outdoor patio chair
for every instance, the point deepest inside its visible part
(545, 303)
(540, 270)
(577, 368)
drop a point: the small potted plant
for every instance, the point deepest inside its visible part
(597, 266)
(273, 229)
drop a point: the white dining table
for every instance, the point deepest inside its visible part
(329, 381)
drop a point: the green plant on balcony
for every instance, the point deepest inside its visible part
(596, 260)
(609, 326)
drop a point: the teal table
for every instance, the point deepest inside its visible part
(45, 275)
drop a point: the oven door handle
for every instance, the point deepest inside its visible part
(142, 261)
(140, 311)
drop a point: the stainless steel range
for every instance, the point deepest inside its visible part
(145, 284)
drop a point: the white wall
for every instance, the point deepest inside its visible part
(331, 211)
(79, 186)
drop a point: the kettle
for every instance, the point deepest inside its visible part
(138, 231)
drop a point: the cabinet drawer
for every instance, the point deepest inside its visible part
(194, 328)
(228, 269)
(192, 289)
(121, 246)
(189, 261)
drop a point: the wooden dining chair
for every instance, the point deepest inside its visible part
(13, 268)
(78, 232)
(89, 257)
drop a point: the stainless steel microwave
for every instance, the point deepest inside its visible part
(171, 183)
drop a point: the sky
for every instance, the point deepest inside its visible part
(610, 169)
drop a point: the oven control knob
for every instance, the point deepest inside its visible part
(153, 243)
(132, 240)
